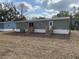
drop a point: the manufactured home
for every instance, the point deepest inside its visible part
(7, 26)
(59, 25)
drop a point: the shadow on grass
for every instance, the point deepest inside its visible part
(39, 35)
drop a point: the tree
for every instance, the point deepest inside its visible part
(74, 9)
(10, 13)
(23, 7)
(63, 14)
(76, 18)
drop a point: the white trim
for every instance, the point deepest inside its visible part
(40, 30)
(61, 31)
(51, 22)
(26, 30)
(55, 31)
(6, 29)
(17, 30)
(50, 26)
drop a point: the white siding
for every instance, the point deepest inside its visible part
(55, 31)
(40, 30)
(61, 31)
(17, 30)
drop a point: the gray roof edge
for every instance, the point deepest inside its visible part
(59, 18)
(47, 19)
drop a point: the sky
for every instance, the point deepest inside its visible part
(46, 8)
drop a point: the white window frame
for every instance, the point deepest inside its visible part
(50, 22)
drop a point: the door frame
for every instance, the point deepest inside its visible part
(30, 27)
(51, 24)
(31, 24)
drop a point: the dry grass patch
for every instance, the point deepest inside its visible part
(24, 46)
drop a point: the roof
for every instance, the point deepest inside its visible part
(55, 18)
(47, 19)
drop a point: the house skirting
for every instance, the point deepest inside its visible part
(17, 30)
(40, 30)
(55, 31)
(61, 31)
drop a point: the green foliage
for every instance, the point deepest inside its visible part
(76, 21)
(9, 13)
(76, 16)
(63, 14)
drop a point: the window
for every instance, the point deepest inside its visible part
(30, 24)
(51, 23)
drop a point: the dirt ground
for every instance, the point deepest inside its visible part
(39, 46)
